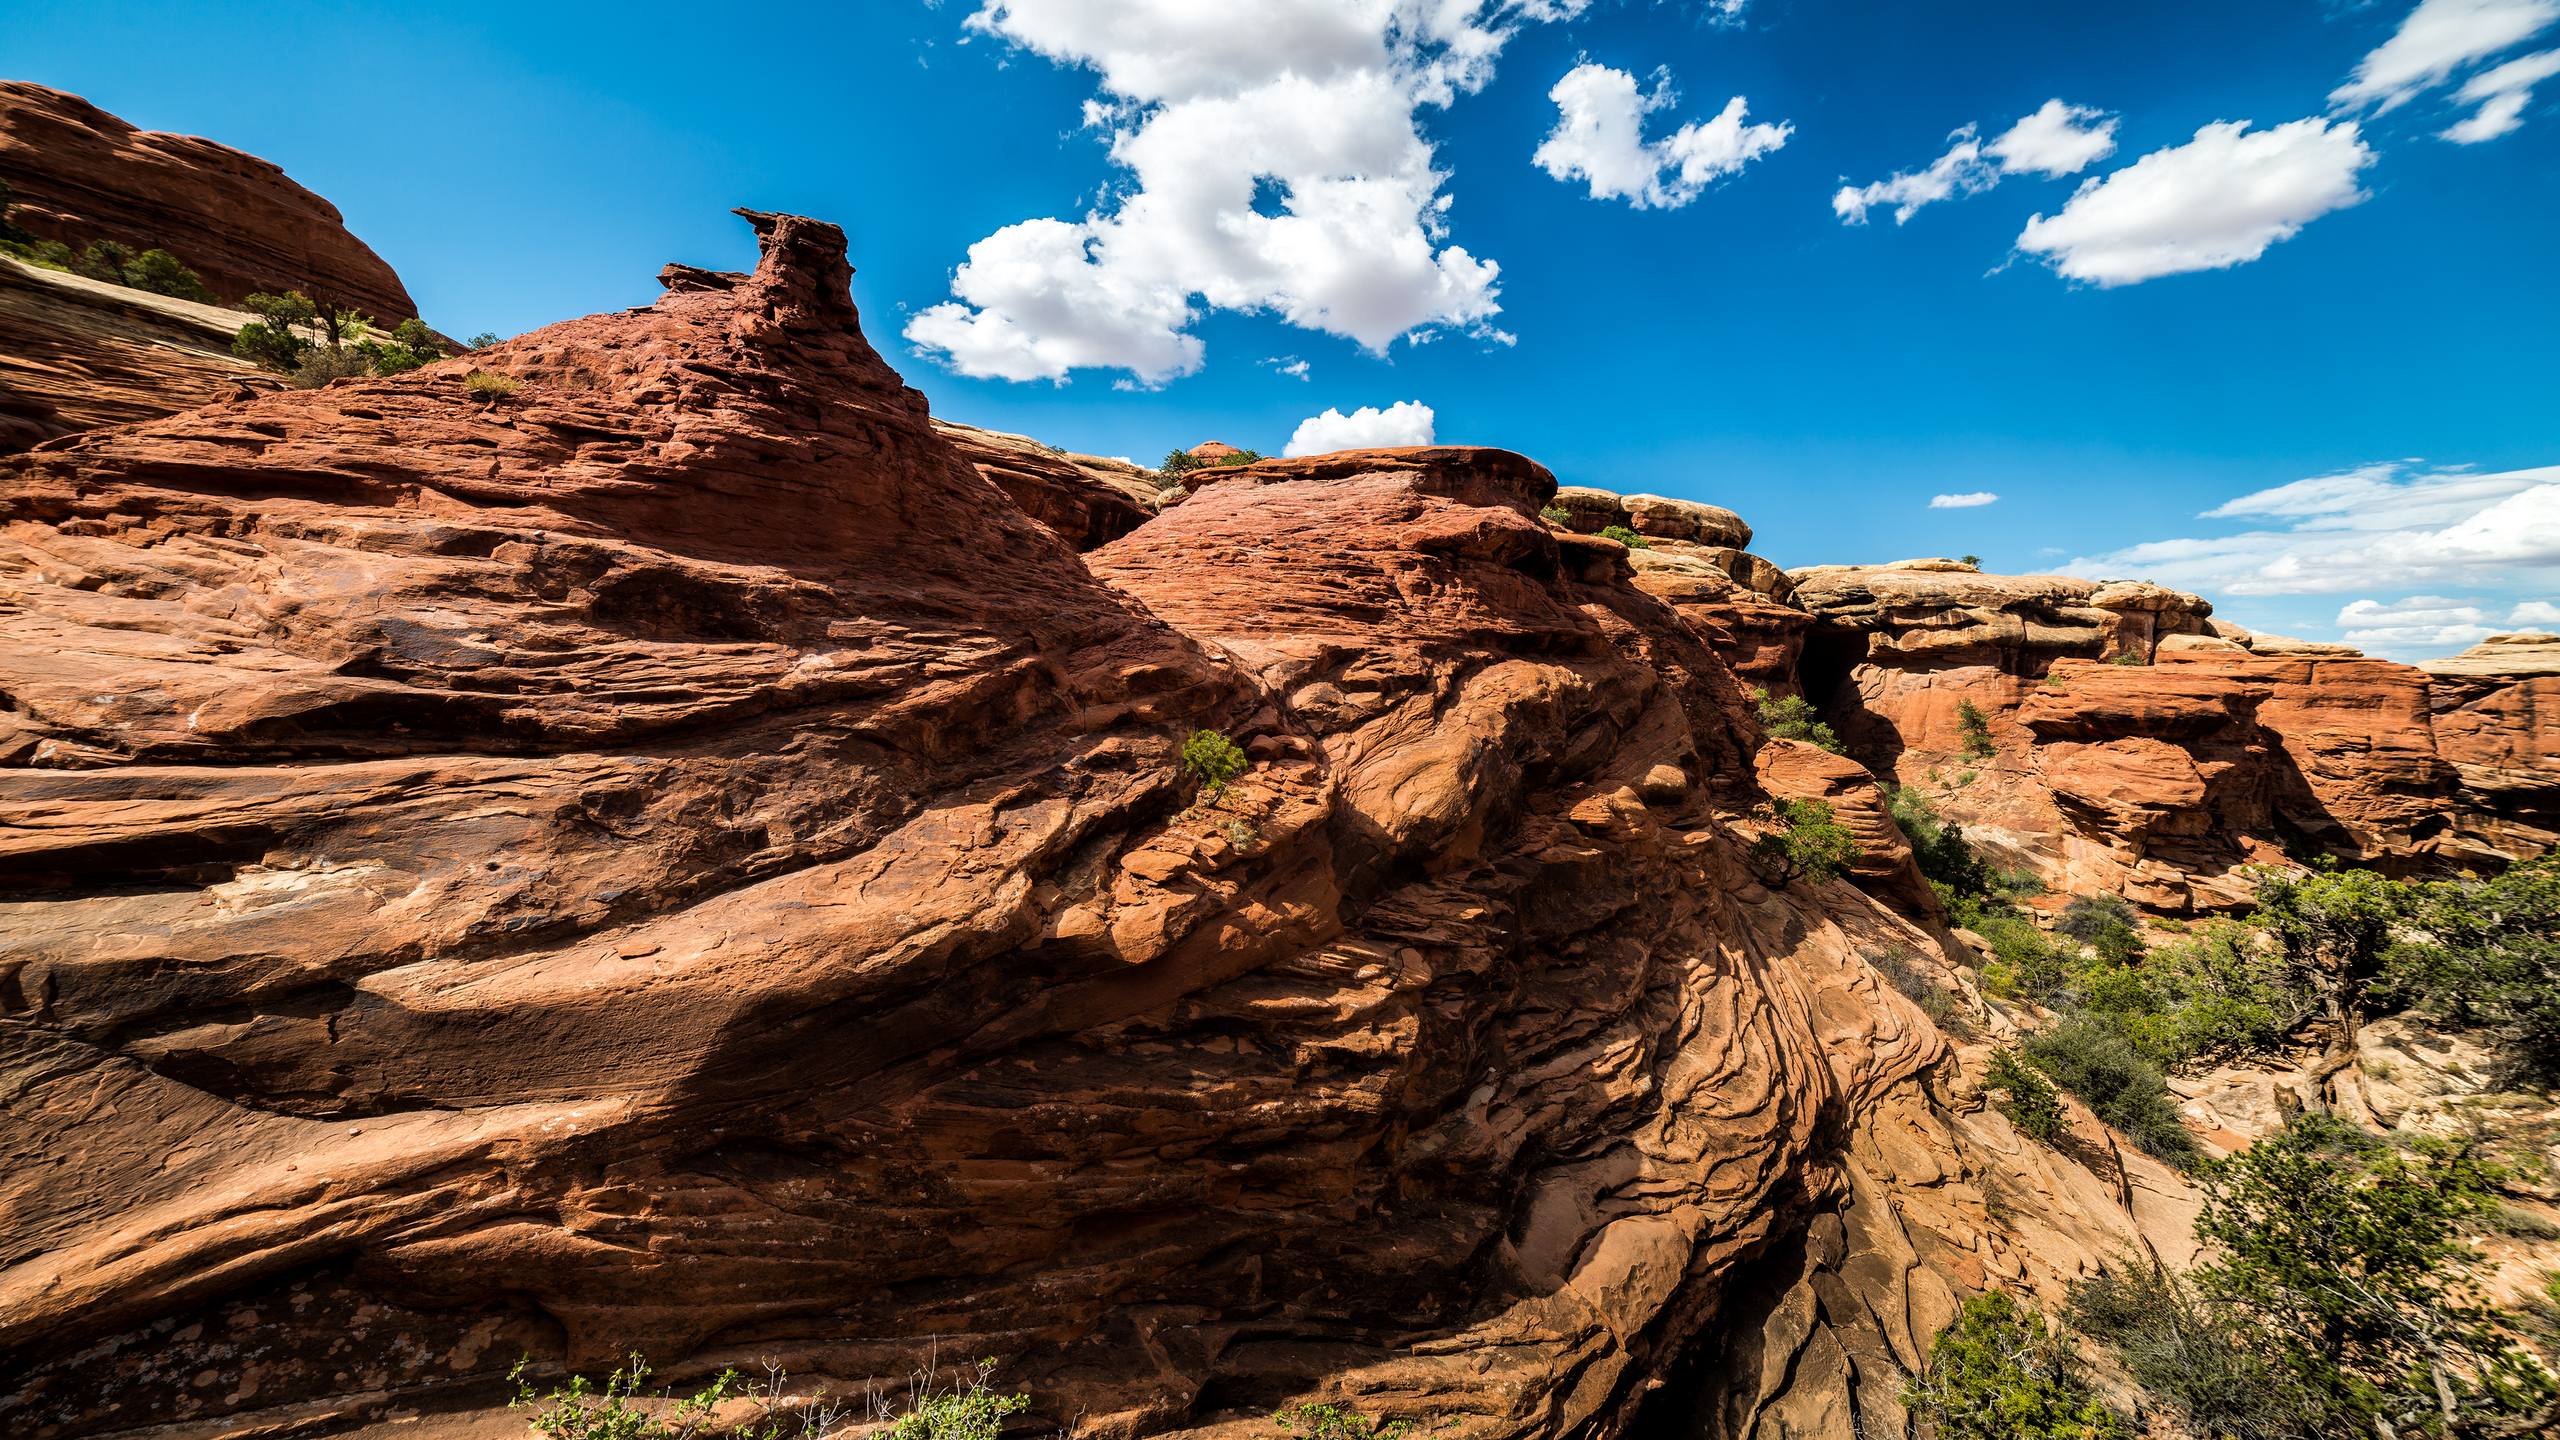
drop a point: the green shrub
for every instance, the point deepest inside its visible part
(489, 385)
(1335, 1422)
(621, 1408)
(1808, 844)
(2027, 1098)
(51, 254)
(1625, 536)
(1973, 560)
(1938, 846)
(481, 341)
(1213, 760)
(2096, 1062)
(321, 364)
(1943, 1006)
(2191, 1355)
(2104, 923)
(1999, 1373)
(159, 272)
(1977, 731)
(2215, 993)
(1177, 463)
(2344, 1257)
(2024, 964)
(1793, 718)
(1556, 515)
(275, 339)
(2486, 953)
(411, 345)
(2127, 657)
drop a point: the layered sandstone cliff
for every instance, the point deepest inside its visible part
(2129, 743)
(674, 856)
(241, 223)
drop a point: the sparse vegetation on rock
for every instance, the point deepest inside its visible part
(1213, 760)
(1809, 843)
(1625, 536)
(1178, 463)
(2000, 1373)
(490, 385)
(1977, 731)
(1793, 717)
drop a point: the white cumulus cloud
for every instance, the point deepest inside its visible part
(2501, 95)
(2535, 612)
(2376, 526)
(1406, 422)
(2418, 623)
(2438, 40)
(1971, 499)
(2216, 201)
(1599, 138)
(2056, 139)
(1276, 167)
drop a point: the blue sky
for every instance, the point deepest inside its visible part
(1681, 305)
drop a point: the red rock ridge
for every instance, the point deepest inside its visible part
(81, 175)
(673, 857)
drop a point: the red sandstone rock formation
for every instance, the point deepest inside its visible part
(76, 354)
(2496, 712)
(1087, 499)
(81, 175)
(674, 857)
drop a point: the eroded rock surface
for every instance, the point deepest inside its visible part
(675, 857)
(239, 222)
(76, 354)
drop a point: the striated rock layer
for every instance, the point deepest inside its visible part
(238, 221)
(674, 857)
(76, 354)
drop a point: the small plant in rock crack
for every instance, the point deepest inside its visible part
(1336, 1422)
(1213, 760)
(1625, 536)
(1977, 731)
(490, 385)
(1242, 834)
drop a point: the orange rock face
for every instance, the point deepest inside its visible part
(671, 856)
(81, 175)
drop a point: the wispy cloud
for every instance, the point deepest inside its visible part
(1971, 499)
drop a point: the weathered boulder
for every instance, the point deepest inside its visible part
(238, 221)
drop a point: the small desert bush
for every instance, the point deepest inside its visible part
(2000, 1373)
(1976, 729)
(1213, 760)
(1336, 1422)
(490, 385)
(1809, 844)
(1793, 718)
(2095, 1061)
(2027, 1098)
(1625, 536)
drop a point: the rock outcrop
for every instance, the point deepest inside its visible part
(83, 175)
(76, 354)
(673, 856)
(2496, 717)
(1088, 500)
